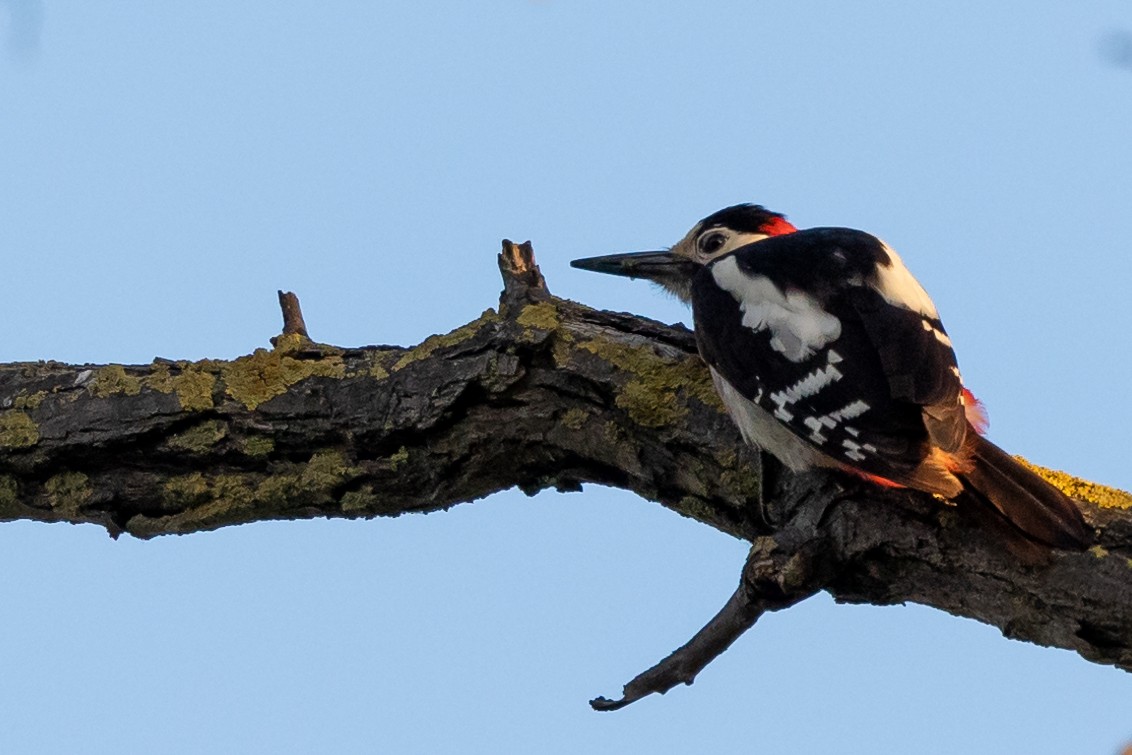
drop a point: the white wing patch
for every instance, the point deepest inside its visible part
(853, 449)
(797, 323)
(807, 386)
(939, 334)
(898, 287)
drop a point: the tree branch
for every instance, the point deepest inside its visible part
(544, 393)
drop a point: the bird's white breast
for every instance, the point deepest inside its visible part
(760, 429)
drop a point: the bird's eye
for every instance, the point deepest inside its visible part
(711, 243)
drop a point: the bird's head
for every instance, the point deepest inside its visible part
(716, 235)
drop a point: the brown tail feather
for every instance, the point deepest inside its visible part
(1028, 502)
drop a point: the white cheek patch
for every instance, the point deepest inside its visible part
(896, 284)
(797, 323)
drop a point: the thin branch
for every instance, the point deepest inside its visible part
(544, 393)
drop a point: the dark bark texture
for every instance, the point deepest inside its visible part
(540, 393)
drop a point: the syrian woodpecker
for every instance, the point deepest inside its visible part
(827, 352)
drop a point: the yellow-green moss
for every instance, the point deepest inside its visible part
(186, 490)
(194, 389)
(264, 374)
(377, 367)
(399, 458)
(539, 316)
(17, 429)
(67, 491)
(29, 400)
(312, 482)
(357, 500)
(426, 348)
(698, 509)
(744, 479)
(200, 438)
(216, 500)
(575, 418)
(744, 476)
(288, 342)
(1083, 490)
(193, 384)
(112, 380)
(650, 397)
(258, 446)
(207, 502)
(9, 491)
(1099, 551)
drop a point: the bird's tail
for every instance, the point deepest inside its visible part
(1038, 509)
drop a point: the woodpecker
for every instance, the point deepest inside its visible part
(827, 352)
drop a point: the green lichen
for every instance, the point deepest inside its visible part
(1083, 490)
(194, 389)
(29, 400)
(113, 380)
(17, 429)
(205, 502)
(398, 458)
(698, 509)
(612, 433)
(264, 374)
(742, 476)
(377, 368)
(67, 491)
(310, 483)
(562, 348)
(186, 490)
(744, 479)
(192, 384)
(651, 395)
(427, 347)
(539, 316)
(290, 342)
(210, 501)
(200, 438)
(9, 493)
(354, 501)
(1099, 551)
(258, 446)
(575, 418)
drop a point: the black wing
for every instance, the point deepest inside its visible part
(869, 382)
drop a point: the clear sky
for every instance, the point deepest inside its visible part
(165, 167)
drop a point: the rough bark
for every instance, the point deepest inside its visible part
(543, 393)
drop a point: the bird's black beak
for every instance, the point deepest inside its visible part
(654, 266)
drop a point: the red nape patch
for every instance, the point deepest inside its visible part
(976, 412)
(777, 227)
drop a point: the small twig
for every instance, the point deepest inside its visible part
(737, 616)
(779, 573)
(293, 323)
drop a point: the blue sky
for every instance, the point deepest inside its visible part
(165, 167)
